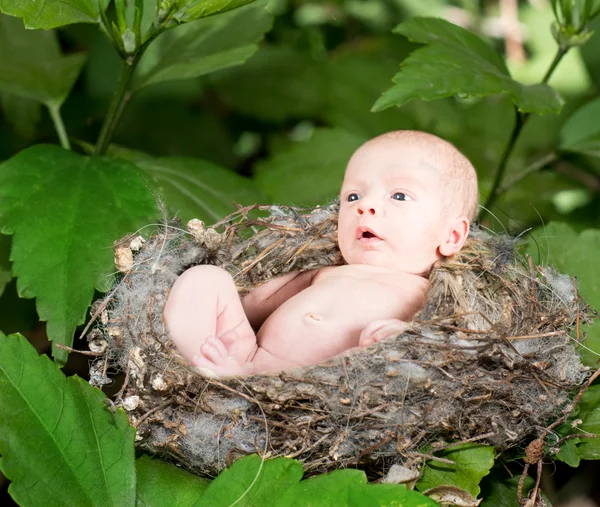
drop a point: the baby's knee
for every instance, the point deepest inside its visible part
(205, 275)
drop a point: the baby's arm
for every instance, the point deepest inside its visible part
(264, 300)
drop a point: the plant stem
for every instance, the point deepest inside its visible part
(521, 119)
(536, 166)
(562, 51)
(122, 96)
(59, 126)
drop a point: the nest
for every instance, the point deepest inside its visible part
(489, 358)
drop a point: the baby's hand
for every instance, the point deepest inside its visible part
(380, 330)
(217, 357)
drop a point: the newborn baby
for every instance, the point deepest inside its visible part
(406, 201)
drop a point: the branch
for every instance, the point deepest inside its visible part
(59, 126)
(521, 119)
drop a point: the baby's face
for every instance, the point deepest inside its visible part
(392, 211)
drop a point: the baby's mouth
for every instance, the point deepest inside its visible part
(365, 233)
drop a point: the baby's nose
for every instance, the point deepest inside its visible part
(369, 209)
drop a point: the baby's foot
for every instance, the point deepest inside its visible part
(380, 330)
(217, 357)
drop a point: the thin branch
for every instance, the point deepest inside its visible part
(122, 96)
(520, 120)
(536, 166)
(59, 126)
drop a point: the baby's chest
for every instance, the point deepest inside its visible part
(354, 298)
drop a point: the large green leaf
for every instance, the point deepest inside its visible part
(52, 13)
(161, 484)
(32, 64)
(60, 445)
(64, 211)
(5, 275)
(581, 132)
(204, 46)
(196, 188)
(249, 482)
(472, 463)
(458, 62)
(573, 253)
(310, 172)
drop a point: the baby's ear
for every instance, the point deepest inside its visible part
(457, 234)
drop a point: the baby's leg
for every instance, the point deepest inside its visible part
(204, 303)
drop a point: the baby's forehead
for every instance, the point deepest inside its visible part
(383, 158)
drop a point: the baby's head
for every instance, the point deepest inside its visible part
(407, 200)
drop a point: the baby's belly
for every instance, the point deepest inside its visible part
(316, 325)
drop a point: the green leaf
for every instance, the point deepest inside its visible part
(273, 477)
(22, 113)
(250, 482)
(195, 188)
(161, 484)
(5, 274)
(573, 253)
(473, 462)
(500, 490)
(458, 62)
(65, 211)
(60, 445)
(310, 172)
(581, 132)
(202, 8)
(48, 14)
(349, 488)
(204, 46)
(32, 64)
(588, 412)
(275, 84)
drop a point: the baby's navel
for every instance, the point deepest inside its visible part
(314, 316)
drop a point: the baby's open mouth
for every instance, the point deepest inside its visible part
(366, 234)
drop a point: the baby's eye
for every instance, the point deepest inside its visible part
(399, 196)
(353, 197)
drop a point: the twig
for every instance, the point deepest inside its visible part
(150, 412)
(430, 457)
(119, 395)
(83, 352)
(532, 336)
(536, 166)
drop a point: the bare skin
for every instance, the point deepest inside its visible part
(309, 312)
(393, 225)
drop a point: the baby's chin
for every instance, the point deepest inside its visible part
(384, 260)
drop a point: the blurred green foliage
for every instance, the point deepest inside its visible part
(203, 103)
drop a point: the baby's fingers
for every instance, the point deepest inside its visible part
(380, 330)
(214, 350)
(390, 329)
(367, 337)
